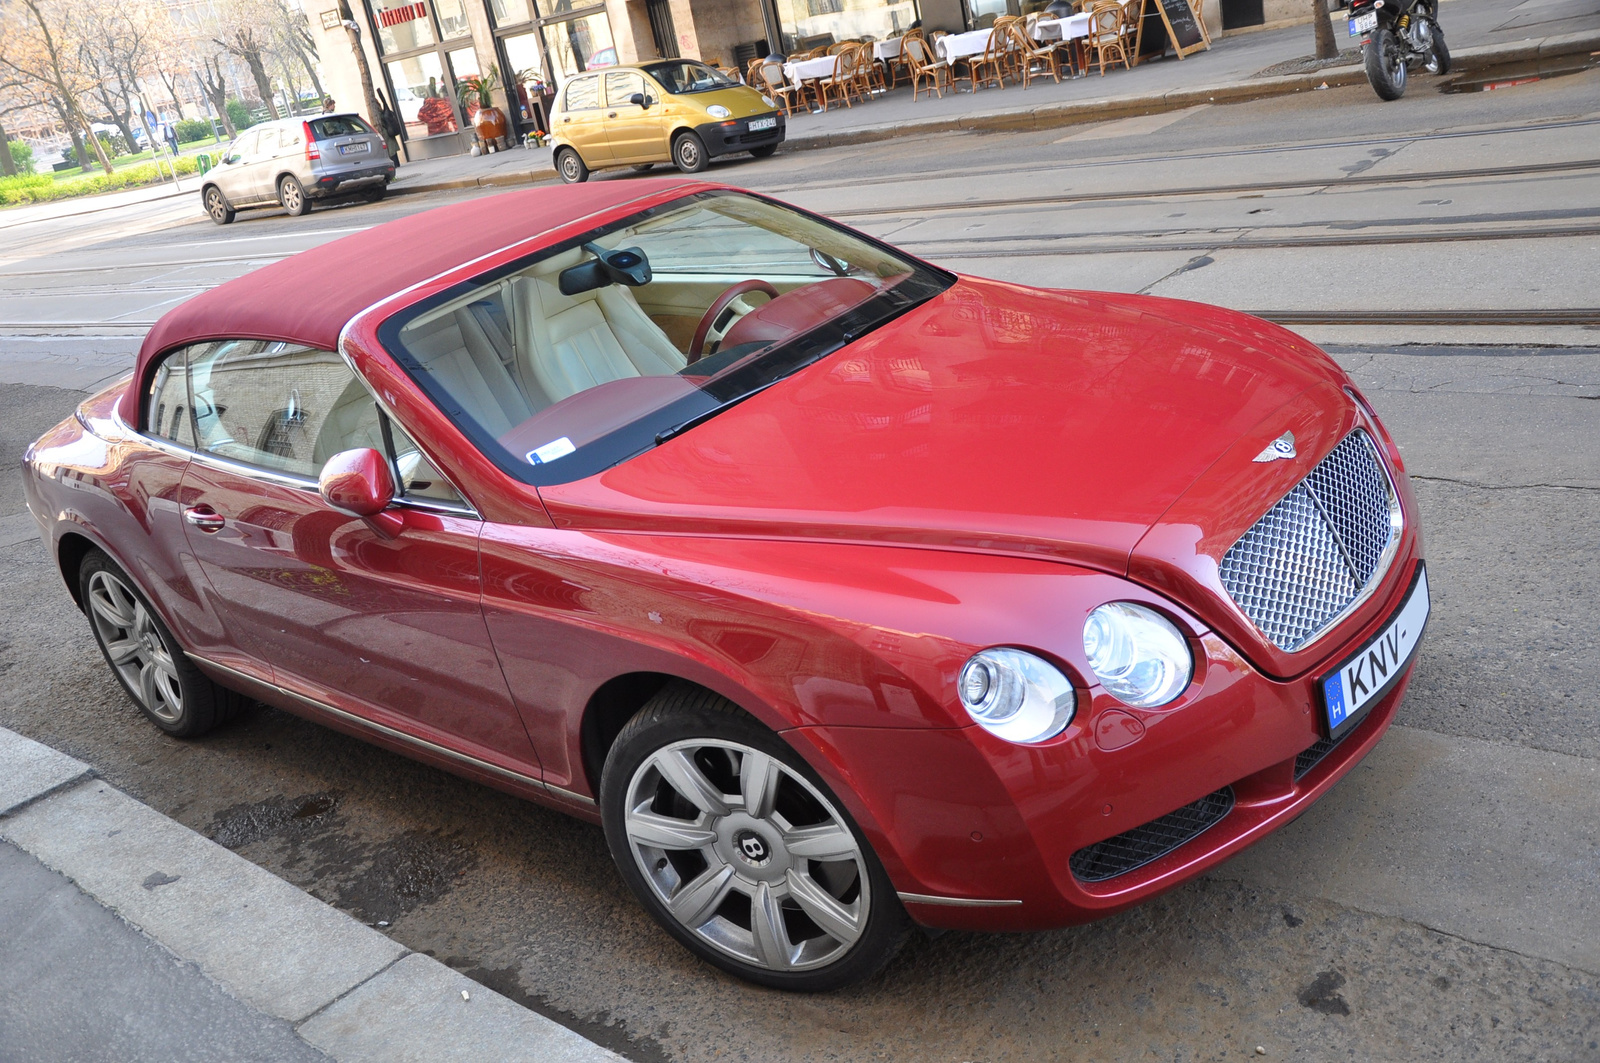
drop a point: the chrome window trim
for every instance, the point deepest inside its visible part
(284, 479)
(1397, 522)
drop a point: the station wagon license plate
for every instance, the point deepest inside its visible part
(1363, 24)
(354, 149)
(1374, 669)
(758, 124)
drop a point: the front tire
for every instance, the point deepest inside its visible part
(689, 153)
(159, 677)
(292, 195)
(764, 151)
(1386, 65)
(216, 205)
(740, 851)
(571, 168)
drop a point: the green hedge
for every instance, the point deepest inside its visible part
(191, 129)
(41, 187)
(21, 155)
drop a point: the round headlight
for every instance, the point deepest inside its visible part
(1015, 695)
(1139, 657)
(768, 100)
(716, 110)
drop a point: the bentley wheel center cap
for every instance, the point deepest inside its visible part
(753, 848)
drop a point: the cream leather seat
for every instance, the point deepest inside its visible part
(468, 354)
(579, 341)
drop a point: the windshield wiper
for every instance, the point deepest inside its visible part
(706, 415)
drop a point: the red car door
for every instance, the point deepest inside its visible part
(378, 618)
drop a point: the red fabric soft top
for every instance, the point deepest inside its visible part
(309, 297)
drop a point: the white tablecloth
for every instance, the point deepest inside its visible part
(1062, 29)
(886, 50)
(960, 45)
(807, 69)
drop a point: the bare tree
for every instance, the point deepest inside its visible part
(115, 43)
(214, 84)
(39, 53)
(294, 37)
(244, 29)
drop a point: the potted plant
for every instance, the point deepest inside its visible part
(476, 92)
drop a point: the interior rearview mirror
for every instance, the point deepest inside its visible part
(357, 482)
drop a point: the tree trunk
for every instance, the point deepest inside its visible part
(374, 114)
(99, 148)
(258, 70)
(214, 86)
(311, 68)
(1327, 43)
(79, 152)
(122, 119)
(7, 166)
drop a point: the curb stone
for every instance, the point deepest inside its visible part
(347, 989)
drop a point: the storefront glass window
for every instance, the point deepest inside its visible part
(984, 12)
(420, 95)
(582, 43)
(809, 23)
(452, 18)
(511, 12)
(408, 26)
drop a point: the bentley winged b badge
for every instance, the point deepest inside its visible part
(1282, 447)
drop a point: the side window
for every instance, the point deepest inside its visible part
(244, 147)
(621, 85)
(277, 405)
(419, 478)
(167, 407)
(583, 94)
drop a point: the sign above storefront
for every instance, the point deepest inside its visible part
(407, 13)
(330, 19)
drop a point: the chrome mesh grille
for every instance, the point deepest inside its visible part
(1313, 553)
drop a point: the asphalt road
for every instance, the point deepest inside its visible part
(1442, 903)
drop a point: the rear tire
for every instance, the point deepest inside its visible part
(292, 195)
(689, 153)
(373, 195)
(724, 872)
(1441, 54)
(160, 678)
(764, 151)
(1386, 69)
(216, 205)
(569, 164)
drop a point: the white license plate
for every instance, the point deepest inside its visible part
(354, 149)
(1363, 24)
(1378, 666)
(758, 124)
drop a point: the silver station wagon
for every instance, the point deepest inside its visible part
(291, 162)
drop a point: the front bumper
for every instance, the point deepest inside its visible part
(980, 834)
(335, 184)
(724, 138)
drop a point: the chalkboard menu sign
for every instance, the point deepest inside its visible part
(1179, 24)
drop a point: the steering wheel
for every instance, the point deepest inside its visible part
(708, 335)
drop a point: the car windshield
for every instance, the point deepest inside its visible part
(681, 76)
(590, 352)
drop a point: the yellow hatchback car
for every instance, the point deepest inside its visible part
(669, 110)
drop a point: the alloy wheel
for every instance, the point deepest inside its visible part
(292, 196)
(215, 206)
(747, 855)
(135, 646)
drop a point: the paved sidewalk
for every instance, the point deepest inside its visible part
(125, 936)
(1483, 35)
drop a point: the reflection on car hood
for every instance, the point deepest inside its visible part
(994, 417)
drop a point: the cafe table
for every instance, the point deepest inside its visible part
(1071, 28)
(956, 46)
(883, 51)
(809, 71)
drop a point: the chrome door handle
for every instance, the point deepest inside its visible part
(611, 114)
(205, 518)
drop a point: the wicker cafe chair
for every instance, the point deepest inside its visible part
(842, 81)
(870, 72)
(769, 74)
(841, 47)
(752, 71)
(920, 60)
(1106, 35)
(899, 65)
(991, 64)
(1031, 53)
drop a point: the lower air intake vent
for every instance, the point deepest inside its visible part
(1137, 847)
(1310, 758)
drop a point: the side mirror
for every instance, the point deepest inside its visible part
(357, 482)
(639, 99)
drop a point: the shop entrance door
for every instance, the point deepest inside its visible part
(661, 27)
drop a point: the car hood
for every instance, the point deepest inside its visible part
(995, 417)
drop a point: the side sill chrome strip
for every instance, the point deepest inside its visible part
(955, 902)
(558, 791)
(391, 732)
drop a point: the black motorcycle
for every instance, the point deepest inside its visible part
(1396, 34)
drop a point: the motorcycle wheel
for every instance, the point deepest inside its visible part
(1439, 61)
(1386, 65)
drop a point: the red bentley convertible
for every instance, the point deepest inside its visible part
(843, 592)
